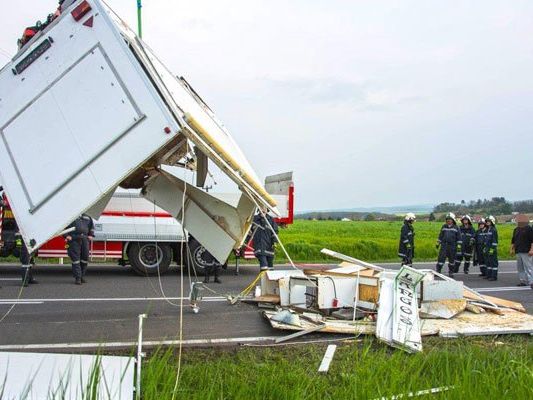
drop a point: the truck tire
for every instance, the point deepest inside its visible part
(195, 262)
(149, 258)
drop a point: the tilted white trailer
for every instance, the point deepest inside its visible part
(86, 107)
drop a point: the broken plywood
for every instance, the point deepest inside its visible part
(444, 309)
(495, 301)
(469, 324)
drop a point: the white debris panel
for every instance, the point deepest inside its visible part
(401, 308)
(66, 376)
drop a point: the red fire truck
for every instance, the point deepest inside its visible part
(133, 231)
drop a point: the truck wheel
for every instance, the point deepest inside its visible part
(195, 258)
(147, 258)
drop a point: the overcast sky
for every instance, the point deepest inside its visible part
(370, 103)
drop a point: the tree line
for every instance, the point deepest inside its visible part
(495, 205)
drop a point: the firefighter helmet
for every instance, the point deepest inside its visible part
(481, 221)
(451, 216)
(491, 219)
(467, 217)
(410, 217)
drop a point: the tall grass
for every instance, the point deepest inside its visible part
(370, 241)
(477, 369)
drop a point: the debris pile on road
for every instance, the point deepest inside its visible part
(399, 307)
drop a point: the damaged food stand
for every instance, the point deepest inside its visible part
(398, 307)
(87, 107)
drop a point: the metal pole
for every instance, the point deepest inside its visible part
(139, 18)
(140, 355)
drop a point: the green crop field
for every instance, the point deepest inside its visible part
(480, 368)
(369, 241)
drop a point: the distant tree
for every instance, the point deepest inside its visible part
(431, 217)
(370, 217)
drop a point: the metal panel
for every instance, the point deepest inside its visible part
(65, 376)
(442, 290)
(73, 126)
(218, 226)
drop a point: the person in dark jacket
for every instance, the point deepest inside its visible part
(491, 249)
(522, 247)
(406, 248)
(479, 258)
(468, 238)
(264, 231)
(449, 242)
(26, 261)
(205, 260)
(78, 246)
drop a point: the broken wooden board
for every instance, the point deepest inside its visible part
(442, 309)
(270, 298)
(328, 357)
(474, 309)
(469, 324)
(334, 325)
(496, 301)
(351, 260)
(301, 332)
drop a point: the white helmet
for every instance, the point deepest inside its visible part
(481, 221)
(468, 218)
(491, 219)
(451, 216)
(410, 217)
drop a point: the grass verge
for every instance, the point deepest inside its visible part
(480, 368)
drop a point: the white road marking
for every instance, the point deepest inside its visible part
(189, 342)
(10, 279)
(108, 299)
(212, 299)
(503, 289)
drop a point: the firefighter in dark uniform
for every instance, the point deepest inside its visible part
(491, 248)
(479, 239)
(204, 259)
(78, 246)
(264, 239)
(26, 261)
(406, 249)
(468, 237)
(449, 242)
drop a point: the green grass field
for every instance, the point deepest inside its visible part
(480, 368)
(369, 241)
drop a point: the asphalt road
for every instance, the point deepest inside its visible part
(105, 310)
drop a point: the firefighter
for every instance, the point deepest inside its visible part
(26, 261)
(468, 238)
(31, 31)
(264, 234)
(450, 243)
(212, 269)
(490, 251)
(479, 258)
(78, 246)
(406, 249)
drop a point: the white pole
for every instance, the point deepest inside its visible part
(140, 355)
